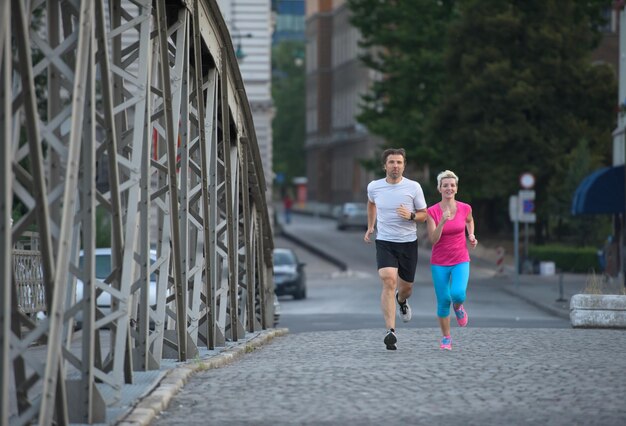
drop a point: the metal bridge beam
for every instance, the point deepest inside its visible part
(128, 122)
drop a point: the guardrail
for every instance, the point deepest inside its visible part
(31, 296)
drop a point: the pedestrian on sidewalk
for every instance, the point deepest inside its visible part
(450, 261)
(287, 207)
(395, 206)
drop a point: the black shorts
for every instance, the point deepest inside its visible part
(398, 255)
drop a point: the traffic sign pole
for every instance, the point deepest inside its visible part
(516, 251)
(522, 209)
(514, 212)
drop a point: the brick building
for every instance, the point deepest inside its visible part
(335, 143)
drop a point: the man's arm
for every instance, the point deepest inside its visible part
(371, 220)
(420, 216)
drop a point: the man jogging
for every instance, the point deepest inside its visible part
(395, 205)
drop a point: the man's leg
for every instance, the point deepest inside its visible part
(405, 289)
(389, 279)
(407, 265)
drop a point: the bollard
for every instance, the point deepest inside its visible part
(561, 295)
(500, 261)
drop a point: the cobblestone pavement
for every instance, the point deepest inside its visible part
(491, 377)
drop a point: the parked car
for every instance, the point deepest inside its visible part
(352, 215)
(289, 275)
(103, 269)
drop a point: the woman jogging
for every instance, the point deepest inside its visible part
(449, 263)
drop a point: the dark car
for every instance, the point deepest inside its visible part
(289, 276)
(352, 215)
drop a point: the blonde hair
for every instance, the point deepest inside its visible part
(446, 174)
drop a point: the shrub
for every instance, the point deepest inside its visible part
(567, 258)
(103, 228)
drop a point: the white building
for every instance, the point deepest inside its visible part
(249, 22)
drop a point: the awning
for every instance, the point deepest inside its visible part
(602, 192)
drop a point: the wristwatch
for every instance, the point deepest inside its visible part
(412, 216)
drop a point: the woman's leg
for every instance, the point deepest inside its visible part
(458, 289)
(441, 282)
(459, 277)
(444, 324)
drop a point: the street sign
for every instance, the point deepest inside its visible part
(280, 178)
(527, 180)
(526, 206)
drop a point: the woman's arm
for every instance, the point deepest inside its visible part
(434, 231)
(469, 224)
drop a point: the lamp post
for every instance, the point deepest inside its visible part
(239, 54)
(619, 144)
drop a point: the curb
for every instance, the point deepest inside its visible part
(317, 252)
(598, 311)
(157, 400)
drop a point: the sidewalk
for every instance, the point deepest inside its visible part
(549, 293)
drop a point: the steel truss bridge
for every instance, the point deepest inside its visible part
(148, 94)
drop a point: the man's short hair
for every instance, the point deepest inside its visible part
(393, 151)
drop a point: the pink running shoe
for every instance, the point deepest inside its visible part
(446, 343)
(461, 316)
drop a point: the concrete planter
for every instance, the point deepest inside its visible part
(598, 311)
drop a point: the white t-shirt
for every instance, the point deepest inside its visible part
(388, 197)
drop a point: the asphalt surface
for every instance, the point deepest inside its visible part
(550, 293)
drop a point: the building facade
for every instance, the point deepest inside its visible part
(336, 144)
(288, 20)
(250, 26)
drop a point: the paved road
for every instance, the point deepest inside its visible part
(492, 377)
(350, 300)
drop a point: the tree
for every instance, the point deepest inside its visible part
(288, 93)
(403, 41)
(521, 92)
(585, 229)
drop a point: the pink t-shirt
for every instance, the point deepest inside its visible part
(451, 248)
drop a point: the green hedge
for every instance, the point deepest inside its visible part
(567, 258)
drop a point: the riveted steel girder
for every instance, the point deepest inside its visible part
(126, 134)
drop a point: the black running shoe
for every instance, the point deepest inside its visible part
(390, 340)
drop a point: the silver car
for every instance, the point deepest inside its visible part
(352, 215)
(103, 270)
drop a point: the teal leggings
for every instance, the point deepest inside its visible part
(450, 285)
